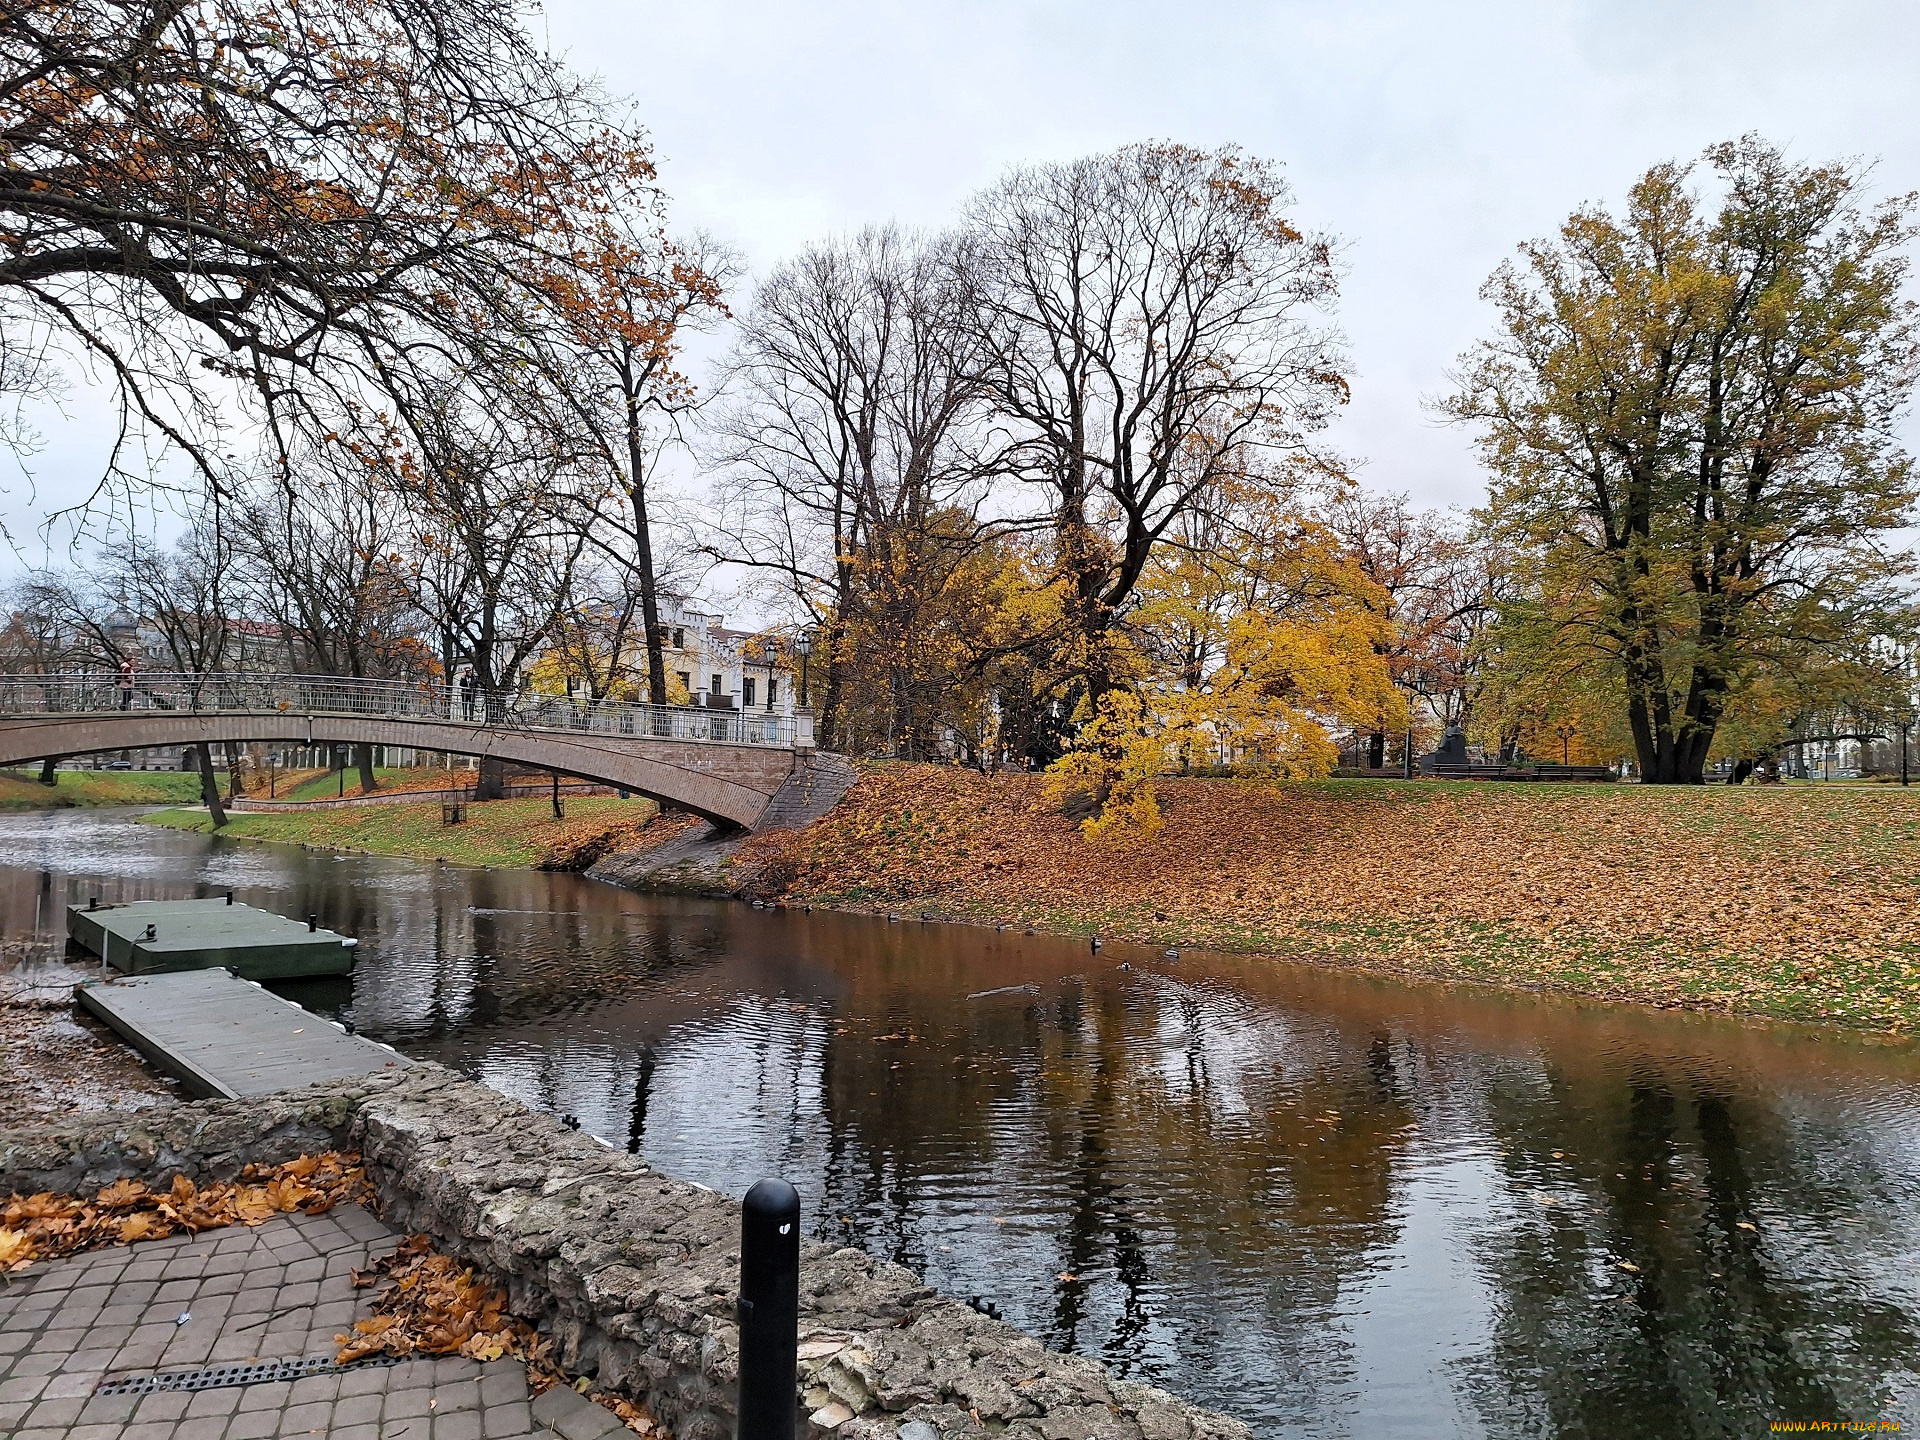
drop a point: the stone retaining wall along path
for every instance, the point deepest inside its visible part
(633, 1274)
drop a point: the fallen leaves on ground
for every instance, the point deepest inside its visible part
(1788, 901)
(59, 1063)
(434, 1305)
(43, 1226)
(577, 844)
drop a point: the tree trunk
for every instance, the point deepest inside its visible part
(493, 779)
(1377, 750)
(643, 562)
(363, 757)
(828, 729)
(209, 787)
(47, 767)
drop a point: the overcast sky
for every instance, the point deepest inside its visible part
(1430, 137)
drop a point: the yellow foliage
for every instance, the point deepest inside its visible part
(1118, 752)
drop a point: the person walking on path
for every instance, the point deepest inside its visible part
(126, 682)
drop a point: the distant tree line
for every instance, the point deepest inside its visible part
(1049, 487)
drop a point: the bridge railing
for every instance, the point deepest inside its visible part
(99, 692)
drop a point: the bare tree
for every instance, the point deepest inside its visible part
(632, 400)
(492, 503)
(1146, 326)
(321, 555)
(300, 201)
(847, 472)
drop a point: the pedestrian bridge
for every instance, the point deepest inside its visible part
(725, 765)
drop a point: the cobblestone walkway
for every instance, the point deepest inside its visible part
(276, 1292)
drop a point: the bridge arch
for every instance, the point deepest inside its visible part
(729, 784)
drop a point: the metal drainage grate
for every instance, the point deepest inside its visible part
(215, 1377)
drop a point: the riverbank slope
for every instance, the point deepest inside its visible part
(1801, 903)
(22, 790)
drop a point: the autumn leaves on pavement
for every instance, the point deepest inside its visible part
(430, 1303)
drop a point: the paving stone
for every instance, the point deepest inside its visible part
(458, 1395)
(223, 1400)
(57, 1412)
(314, 1387)
(71, 1383)
(168, 1405)
(268, 1396)
(108, 1409)
(502, 1383)
(357, 1410)
(365, 1379)
(464, 1425)
(302, 1419)
(500, 1421)
(401, 1404)
(254, 1425)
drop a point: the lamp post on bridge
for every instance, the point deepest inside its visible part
(803, 647)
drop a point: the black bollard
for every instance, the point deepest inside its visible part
(769, 1311)
(313, 922)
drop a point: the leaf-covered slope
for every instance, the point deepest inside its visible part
(1795, 902)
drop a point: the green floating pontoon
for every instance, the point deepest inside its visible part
(147, 936)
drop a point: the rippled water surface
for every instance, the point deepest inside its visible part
(1333, 1206)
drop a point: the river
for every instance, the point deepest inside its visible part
(1333, 1205)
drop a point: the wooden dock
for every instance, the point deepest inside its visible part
(221, 1036)
(148, 936)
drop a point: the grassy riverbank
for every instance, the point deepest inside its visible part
(498, 833)
(1801, 903)
(22, 790)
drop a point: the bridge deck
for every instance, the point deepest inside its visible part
(225, 1037)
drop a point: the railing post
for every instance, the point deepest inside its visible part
(769, 1311)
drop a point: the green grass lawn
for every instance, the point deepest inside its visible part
(22, 790)
(326, 785)
(520, 833)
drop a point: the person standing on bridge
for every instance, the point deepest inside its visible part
(126, 682)
(467, 686)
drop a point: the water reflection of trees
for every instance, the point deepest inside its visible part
(1147, 1137)
(1693, 1269)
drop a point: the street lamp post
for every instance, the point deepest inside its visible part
(803, 646)
(1904, 713)
(1566, 734)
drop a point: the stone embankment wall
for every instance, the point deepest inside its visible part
(633, 1274)
(701, 861)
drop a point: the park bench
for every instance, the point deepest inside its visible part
(1520, 772)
